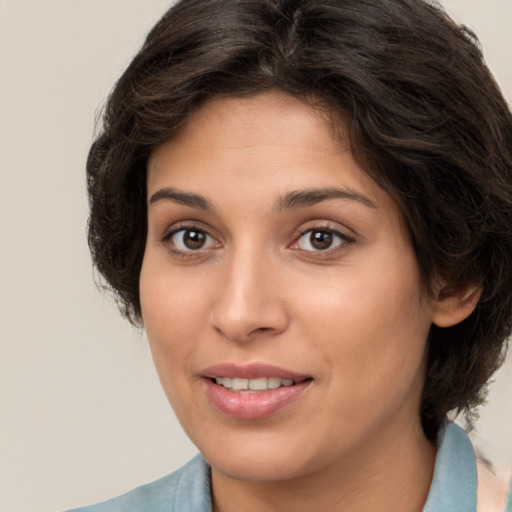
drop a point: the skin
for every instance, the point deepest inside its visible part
(351, 315)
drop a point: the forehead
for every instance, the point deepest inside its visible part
(265, 130)
(271, 138)
(278, 110)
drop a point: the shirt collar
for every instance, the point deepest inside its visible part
(454, 483)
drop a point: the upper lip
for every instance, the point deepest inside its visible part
(251, 371)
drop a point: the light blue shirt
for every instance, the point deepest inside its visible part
(453, 489)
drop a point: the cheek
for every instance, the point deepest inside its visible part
(170, 300)
(370, 321)
(173, 310)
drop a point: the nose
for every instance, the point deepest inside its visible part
(249, 302)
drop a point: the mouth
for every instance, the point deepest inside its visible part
(253, 385)
(253, 391)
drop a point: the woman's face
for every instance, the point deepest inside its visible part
(273, 259)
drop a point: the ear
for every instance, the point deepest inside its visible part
(454, 304)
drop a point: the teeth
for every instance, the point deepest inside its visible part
(260, 384)
(239, 384)
(273, 382)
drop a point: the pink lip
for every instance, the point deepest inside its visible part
(251, 371)
(246, 405)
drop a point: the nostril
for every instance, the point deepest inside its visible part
(260, 330)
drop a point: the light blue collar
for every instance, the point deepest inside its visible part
(194, 490)
(454, 484)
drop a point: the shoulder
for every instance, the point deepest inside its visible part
(493, 488)
(162, 494)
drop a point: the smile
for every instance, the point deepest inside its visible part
(253, 391)
(253, 385)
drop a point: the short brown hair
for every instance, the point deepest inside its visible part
(425, 119)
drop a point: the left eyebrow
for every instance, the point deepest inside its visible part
(185, 198)
(310, 197)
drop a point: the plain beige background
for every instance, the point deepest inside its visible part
(82, 416)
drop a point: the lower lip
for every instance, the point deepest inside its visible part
(253, 405)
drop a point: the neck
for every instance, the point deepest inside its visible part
(391, 473)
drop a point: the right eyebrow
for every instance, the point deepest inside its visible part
(185, 198)
(309, 197)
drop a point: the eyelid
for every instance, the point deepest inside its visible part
(172, 227)
(344, 242)
(325, 226)
(187, 226)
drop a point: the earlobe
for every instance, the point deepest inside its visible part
(455, 304)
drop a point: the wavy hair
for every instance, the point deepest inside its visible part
(425, 118)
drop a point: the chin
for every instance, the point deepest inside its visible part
(259, 460)
(257, 469)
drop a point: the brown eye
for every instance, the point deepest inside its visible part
(194, 239)
(191, 240)
(320, 240)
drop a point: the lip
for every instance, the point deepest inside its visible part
(251, 371)
(255, 405)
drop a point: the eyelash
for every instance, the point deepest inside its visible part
(344, 241)
(167, 239)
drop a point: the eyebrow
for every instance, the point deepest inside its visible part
(185, 198)
(289, 201)
(310, 197)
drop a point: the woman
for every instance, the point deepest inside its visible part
(308, 206)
